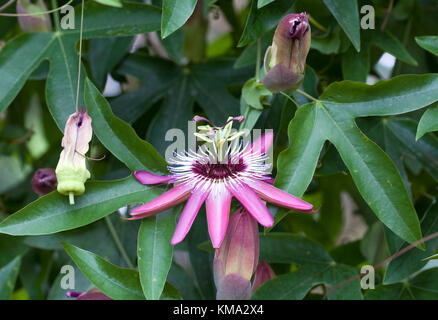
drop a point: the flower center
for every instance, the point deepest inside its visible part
(218, 170)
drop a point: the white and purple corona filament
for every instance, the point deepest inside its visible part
(215, 175)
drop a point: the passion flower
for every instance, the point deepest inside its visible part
(215, 175)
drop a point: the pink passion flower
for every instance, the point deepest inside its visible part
(215, 176)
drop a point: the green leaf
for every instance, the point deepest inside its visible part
(375, 175)
(429, 43)
(174, 14)
(117, 283)
(13, 171)
(315, 266)
(356, 65)
(170, 293)
(112, 3)
(26, 52)
(347, 15)
(261, 21)
(326, 225)
(183, 282)
(328, 42)
(206, 83)
(200, 260)
(52, 213)
(425, 150)
(388, 43)
(262, 3)
(8, 276)
(104, 55)
(119, 137)
(103, 244)
(428, 122)
(413, 260)
(156, 77)
(421, 287)
(10, 248)
(155, 252)
(175, 112)
(254, 93)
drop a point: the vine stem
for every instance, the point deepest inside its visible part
(6, 5)
(384, 262)
(34, 13)
(308, 96)
(287, 96)
(118, 243)
(385, 22)
(56, 15)
(316, 23)
(259, 58)
(80, 55)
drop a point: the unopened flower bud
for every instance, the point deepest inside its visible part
(44, 181)
(285, 60)
(236, 259)
(93, 294)
(36, 23)
(263, 273)
(71, 170)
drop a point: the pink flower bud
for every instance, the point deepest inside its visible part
(71, 170)
(263, 273)
(36, 23)
(44, 181)
(285, 60)
(236, 259)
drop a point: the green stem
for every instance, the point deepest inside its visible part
(316, 23)
(287, 96)
(34, 13)
(56, 15)
(406, 34)
(118, 243)
(6, 5)
(259, 58)
(308, 96)
(80, 56)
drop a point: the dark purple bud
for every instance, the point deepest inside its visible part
(44, 181)
(93, 294)
(73, 294)
(285, 60)
(36, 23)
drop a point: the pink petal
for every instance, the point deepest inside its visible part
(164, 201)
(279, 197)
(146, 177)
(262, 143)
(252, 203)
(218, 211)
(188, 215)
